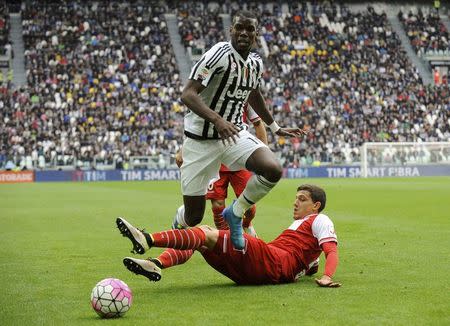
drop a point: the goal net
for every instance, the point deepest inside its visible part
(392, 155)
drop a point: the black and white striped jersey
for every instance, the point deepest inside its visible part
(229, 79)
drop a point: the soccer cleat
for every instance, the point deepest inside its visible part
(137, 237)
(235, 224)
(144, 267)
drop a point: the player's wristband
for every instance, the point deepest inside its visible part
(274, 127)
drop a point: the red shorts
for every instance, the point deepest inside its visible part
(237, 179)
(258, 263)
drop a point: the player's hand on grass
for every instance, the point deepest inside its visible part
(291, 132)
(326, 282)
(227, 131)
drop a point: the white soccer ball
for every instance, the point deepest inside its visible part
(111, 298)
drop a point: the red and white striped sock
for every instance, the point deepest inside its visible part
(192, 238)
(172, 257)
(219, 221)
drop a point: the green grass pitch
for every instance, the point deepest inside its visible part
(57, 240)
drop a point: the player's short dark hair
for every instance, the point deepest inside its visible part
(317, 194)
(245, 14)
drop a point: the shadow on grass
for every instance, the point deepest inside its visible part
(96, 318)
(207, 288)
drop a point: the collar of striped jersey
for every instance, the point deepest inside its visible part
(238, 54)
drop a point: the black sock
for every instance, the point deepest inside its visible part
(157, 262)
(148, 238)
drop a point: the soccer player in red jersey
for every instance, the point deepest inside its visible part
(282, 260)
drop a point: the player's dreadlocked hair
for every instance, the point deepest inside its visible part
(317, 194)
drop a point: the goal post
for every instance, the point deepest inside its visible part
(401, 154)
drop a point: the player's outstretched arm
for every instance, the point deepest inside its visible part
(332, 259)
(256, 100)
(289, 132)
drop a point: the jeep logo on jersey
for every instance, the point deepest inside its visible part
(238, 94)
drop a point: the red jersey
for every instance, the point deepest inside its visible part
(280, 261)
(303, 239)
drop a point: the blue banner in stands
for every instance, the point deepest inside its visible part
(112, 175)
(373, 172)
(291, 173)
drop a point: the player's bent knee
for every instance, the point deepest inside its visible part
(273, 172)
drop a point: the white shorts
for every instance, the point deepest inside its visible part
(202, 160)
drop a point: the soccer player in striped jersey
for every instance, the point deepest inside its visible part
(221, 82)
(282, 260)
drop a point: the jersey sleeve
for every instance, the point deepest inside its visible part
(332, 258)
(252, 116)
(209, 64)
(323, 229)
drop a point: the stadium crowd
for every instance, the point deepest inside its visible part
(5, 43)
(345, 76)
(199, 25)
(103, 83)
(426, 32)
(95, 88)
